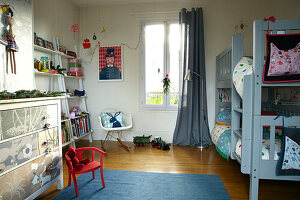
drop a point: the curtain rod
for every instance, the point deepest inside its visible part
(146, 13)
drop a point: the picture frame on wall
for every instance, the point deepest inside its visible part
(111, 67)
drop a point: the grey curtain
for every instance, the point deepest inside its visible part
(192, 108)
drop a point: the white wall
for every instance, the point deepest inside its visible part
(56, 17)
(22, 30)
(122, 25)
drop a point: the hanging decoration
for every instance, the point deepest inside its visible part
(103, 30)
(272, 19)
(241, 27)
(86, 44)
(75, 28)
(94, 37)
(166, 83)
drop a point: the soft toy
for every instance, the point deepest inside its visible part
(77, 164)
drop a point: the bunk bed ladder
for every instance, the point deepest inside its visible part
(241, 129)
(247, 122)
(237, 54)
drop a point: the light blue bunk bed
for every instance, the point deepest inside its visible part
(247, 121)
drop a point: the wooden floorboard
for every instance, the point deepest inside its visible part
(188, 160)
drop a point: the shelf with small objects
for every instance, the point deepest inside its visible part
(60, 70)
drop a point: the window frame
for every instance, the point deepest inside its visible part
(166, 68)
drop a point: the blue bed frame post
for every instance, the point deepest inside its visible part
(258, 58)
(237, 53)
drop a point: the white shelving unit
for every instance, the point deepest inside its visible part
(58, 82)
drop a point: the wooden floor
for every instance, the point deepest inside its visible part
(189, 160)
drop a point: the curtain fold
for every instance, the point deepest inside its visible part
(192, 107)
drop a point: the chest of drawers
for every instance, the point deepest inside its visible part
(30, 147)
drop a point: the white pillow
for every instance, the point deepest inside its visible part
(242, 68)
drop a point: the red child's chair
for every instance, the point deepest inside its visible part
(83, 166)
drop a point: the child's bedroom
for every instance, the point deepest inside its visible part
(150, 99)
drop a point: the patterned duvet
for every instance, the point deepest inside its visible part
(221, 137)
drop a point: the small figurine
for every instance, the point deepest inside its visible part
(76, 110)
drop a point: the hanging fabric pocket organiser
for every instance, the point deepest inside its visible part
(289, 161)
(283, 58)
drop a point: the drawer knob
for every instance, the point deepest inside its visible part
(44, 118)
(49, 169)
(1, 170)
(46, 126)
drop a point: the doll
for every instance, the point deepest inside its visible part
(11, 47)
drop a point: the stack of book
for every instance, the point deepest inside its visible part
(65, 134)
(81, 125)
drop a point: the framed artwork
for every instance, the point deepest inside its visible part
(110, 63)
(49, 45)
(41, 42)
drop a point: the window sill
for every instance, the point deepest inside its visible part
(158, 108)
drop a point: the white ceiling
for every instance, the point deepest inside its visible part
(89, 3)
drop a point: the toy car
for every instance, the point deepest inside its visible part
(160, 144)
(141, 140)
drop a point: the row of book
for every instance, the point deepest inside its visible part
(81, 125)
(65, 134)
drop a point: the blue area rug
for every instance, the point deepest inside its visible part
(133, 185)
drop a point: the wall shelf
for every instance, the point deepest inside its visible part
(45, 50)
(60, 82)
(86, 134)
(46, 73)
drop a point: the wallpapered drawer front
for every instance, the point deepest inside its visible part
(24, 181)
(16, 122)
(20, 150)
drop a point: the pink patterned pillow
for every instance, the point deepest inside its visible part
(284, 62)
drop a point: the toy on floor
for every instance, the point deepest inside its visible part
(160, 144)
(78, 164)
(141, 140)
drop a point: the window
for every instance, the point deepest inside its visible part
(160, 55)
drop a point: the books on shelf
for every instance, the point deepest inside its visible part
(65, 134)
(81, 125)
